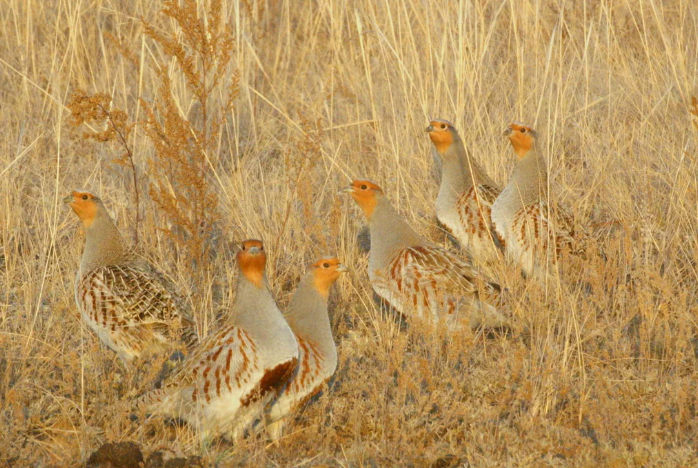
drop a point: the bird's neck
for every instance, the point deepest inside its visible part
(529, 181)
(255, 312)
(455, 174)
(459, 173)
(308, 318)
(389, 234)
(104, 245)
(254, 308)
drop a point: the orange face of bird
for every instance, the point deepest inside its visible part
(522, 138)
(325, 273)
(364, 193)
(442, 133)
(252, 260)
(84, 204)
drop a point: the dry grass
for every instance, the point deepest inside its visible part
(331, 90)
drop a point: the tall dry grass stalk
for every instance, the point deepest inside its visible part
(329, 91)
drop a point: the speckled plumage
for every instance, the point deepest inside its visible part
(418, 278)
(224, 385)
(123, 299)
(466, 195)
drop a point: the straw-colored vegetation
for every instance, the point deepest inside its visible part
(244, 119)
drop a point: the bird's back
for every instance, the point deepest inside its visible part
(133, 311)
(428, 282)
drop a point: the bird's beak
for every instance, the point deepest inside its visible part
(347, 189)
(508, 131)
(342, 268)
(253, 250)
(68, 199)
(430, 128)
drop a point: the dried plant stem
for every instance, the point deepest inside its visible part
(98, 108)
(129, 153)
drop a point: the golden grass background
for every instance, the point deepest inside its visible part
(597, 379)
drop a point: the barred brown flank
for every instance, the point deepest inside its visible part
(420, 279)
(466, 195)
(224, 385)
(272, 380)
(534, 229)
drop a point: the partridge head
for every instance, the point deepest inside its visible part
(86, 205)
(443, 134)
(325, 272)
(522, 138)
(252, 261)
(366, 194)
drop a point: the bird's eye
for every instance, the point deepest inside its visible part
(325, 265)
(261, 248)
(523, 130)
(84, 197)
(244, 247)
(364, 187)
(443, 126)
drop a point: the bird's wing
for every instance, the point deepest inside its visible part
(138, 298)
(224, 362)
(421, 274)
(488, 194)
(554, 222)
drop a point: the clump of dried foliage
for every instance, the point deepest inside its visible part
(184, 156)
(299, 161)
(97, 109)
